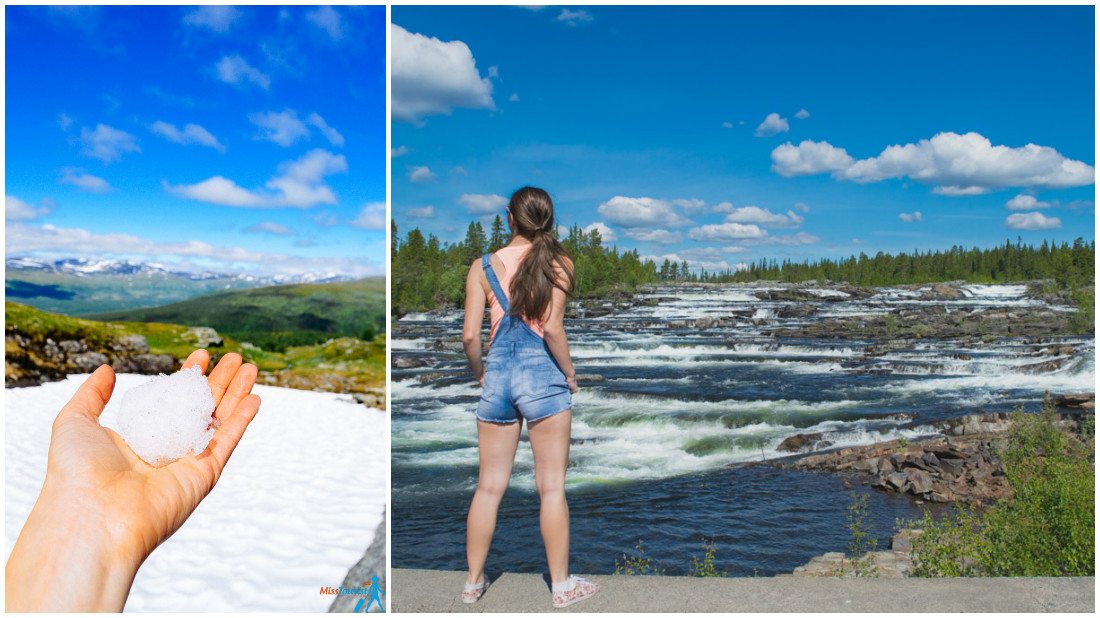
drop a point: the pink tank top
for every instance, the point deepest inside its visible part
(511, 257)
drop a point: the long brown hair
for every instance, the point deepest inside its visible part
(533, 284)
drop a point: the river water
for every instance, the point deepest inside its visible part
(665, 444)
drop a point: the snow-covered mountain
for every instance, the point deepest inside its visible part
(86, 267)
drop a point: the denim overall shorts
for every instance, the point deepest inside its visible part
(522, 380)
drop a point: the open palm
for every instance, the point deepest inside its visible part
(140, 505)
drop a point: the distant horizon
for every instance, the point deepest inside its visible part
(722, 144)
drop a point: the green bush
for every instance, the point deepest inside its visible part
(705, 567)
(637, 565)
(860, 562)
(1045, 528)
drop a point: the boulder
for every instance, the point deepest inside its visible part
(799, 442)
(1078, 401)
(87, 362)
(203, 337)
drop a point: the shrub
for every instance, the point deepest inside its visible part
(637, 565)
(861, 547)
(1045, 528)
(705, 567)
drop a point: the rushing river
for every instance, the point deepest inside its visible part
(656, 437)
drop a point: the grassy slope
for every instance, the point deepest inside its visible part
(82, 295)
(277, 317)
(360, 363)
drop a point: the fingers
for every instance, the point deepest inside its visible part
(92, 395)
(237, 390)
(198, 357)
(229, 434)
(222, 375)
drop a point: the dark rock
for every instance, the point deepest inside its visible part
(920, 482)
(1079, 401)
(898, 480)
(408, 362)
(799, 442)
(131, 344)
(203, 337)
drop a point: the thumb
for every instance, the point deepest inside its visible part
(92, 395)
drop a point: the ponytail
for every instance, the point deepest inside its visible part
(546, 265)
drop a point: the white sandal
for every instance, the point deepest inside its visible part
(472, 593)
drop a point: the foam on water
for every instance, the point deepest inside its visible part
(168, 417)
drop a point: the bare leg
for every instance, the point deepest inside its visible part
(550, 445)
(497, 449)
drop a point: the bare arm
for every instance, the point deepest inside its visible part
(471, 323)
(553, 333)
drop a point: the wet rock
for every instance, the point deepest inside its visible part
(799, 442)
(801, 310)
(943, 291)
(583, 378)
(1078, 401)
(405, 361)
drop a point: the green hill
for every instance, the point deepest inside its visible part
(277, 317)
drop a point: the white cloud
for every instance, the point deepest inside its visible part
(215, 18)
(514, 98)
(332, 135)
(966, 164)
(426, 212)
(1032, 221)
(372, 217)
(723, 207)
(641, 212)
(299, 184)
(28, 239)
(269, 227)
(773, 124)
(283, 128)
(574, 18)
(458, 170)
(236, 70)
(727, 125)
(400, 151)
(606, 234)
(801, 238)
(802, 114)
(16, 209)
(660, 237)
(328, 19)
(809, 157)
(64, 121)
(733, 249)
(764, 217)
(910, 217)
(955, 191)
(429, 76)
(1026, 202)
(483, 204)
(218, 190)
(190, 134)
(726, 231)
(421, 173)
(83, 180)
(691, 205)
(801, 207)
(493, 72)
(107, 143)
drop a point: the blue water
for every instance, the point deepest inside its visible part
(667, 444)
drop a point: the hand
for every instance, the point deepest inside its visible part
(103, 510)
(571, 382)
(481, 380)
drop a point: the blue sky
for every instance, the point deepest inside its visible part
(229, 138)
(726, 134)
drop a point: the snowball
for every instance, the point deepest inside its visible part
(168, 416)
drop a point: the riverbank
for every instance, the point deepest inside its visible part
(417, 590)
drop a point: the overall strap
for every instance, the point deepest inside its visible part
(494, 283)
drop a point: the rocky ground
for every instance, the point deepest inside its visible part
(30, 362)
(961, 465)
(373, 564)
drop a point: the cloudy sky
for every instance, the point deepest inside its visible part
(236, 139)
(726, 134)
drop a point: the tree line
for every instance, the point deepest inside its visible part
(428, 273)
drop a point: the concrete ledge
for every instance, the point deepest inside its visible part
(438, 591)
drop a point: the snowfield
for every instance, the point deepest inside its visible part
(295, 508)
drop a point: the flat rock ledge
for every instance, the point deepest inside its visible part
(893, 563)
